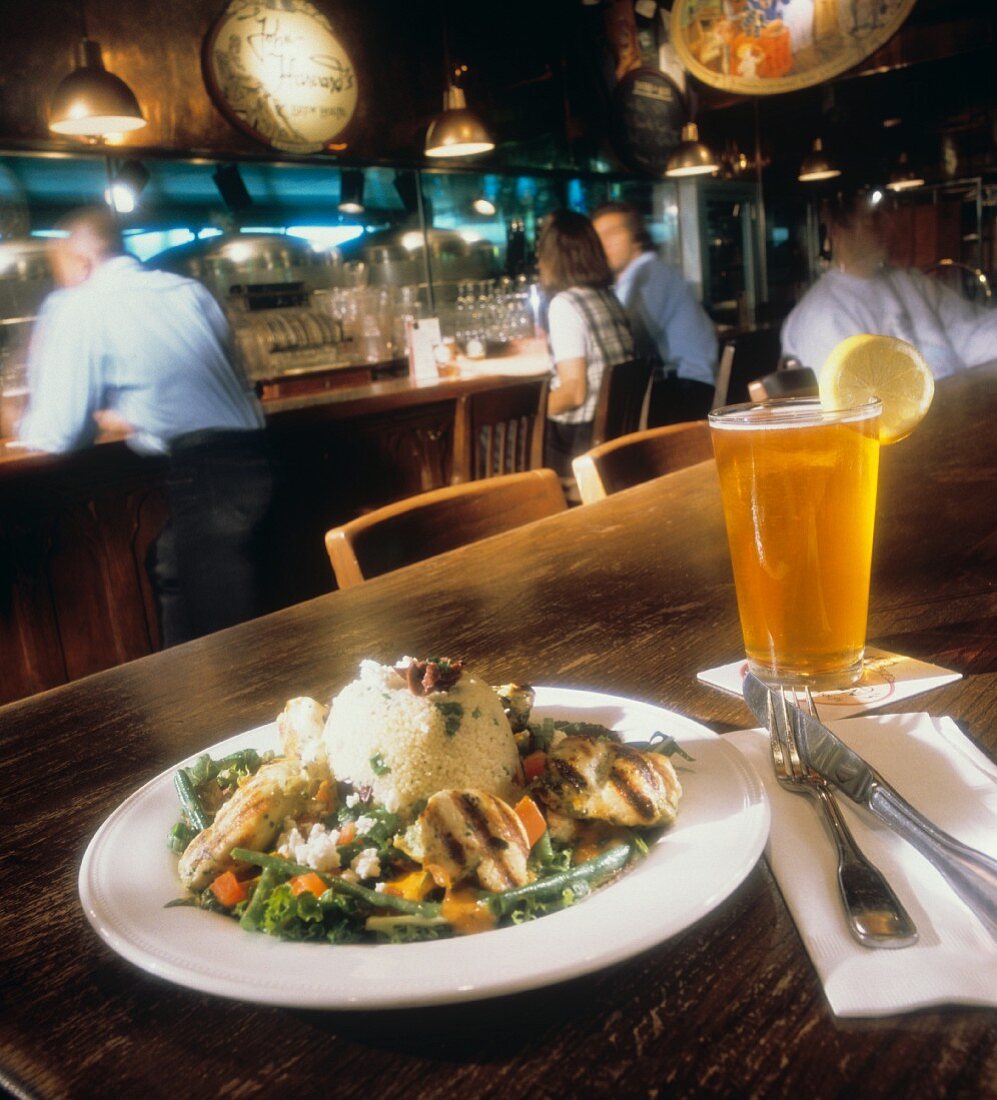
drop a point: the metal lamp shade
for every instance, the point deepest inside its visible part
(817, 165)
(457, 132)
(904, 177)
(92, 101)
(692, 157)
(351, 188)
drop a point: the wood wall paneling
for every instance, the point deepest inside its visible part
(75, 597)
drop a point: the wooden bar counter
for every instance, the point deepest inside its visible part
(76, 529)
(632, 595)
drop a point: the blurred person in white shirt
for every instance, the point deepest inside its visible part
(863, 293)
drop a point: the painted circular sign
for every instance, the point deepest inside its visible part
(760, 47)
(276, 70)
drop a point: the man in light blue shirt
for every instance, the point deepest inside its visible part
(151, 353)
(150, 347)
(669, 324)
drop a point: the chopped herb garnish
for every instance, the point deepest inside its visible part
(377, 765)
(453, 714)
(667, 746)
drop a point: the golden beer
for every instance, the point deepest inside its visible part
(799, 497)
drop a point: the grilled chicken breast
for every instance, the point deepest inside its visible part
(251, 819)
(591, 777)
(472, 833)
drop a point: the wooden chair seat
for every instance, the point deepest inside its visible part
(431, 523)
(500, 431)
(641, 456)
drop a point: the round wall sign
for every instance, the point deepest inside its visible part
(275, 69)
(758, 47)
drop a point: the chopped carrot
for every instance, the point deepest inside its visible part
(310, 883)
(534, 765)
(348, 832)
(414, 886)
(228, 889)
(326, 794)
(532, 819)
(462, 909)
(594, 837)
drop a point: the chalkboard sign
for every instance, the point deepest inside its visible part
(649, 113)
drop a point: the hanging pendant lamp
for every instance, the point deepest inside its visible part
(456, 131)
(817, 165)
(351, 188)
(691, 157)
(904, 177)
(91, 102)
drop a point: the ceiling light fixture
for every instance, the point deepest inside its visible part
(691, 156)
(123, 191)
(351, 185)
(456, 131)
(817, 165)
(91, 102)
(903, 178)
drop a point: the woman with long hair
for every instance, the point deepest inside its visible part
(587, 327)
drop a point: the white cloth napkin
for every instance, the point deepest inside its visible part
(940, 772)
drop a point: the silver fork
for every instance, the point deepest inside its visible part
(874, 913)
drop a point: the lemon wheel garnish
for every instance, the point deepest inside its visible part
(866, 366)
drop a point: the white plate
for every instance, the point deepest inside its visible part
(128, 874)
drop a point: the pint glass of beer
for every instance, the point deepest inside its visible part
(799, 498)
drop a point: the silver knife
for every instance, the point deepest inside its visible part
(972, 874)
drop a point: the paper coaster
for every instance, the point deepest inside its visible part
(886, 678)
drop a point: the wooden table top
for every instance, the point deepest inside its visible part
(632, 595)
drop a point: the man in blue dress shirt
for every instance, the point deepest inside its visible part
(152, 353)
(669, 325)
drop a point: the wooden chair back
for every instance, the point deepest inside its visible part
(500, 431)
(640, 456)
(622, 396)
(431, 523)
(791, 382)
(745, 357)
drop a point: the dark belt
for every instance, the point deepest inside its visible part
(207, 439)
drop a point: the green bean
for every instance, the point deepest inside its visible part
(338, 885)
(250, 919)
(602, 866)
(190, 802)
(543, 850)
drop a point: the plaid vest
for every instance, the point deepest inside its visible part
(608, 341)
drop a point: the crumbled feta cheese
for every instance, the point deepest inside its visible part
(349, 876)
(365, 824)
(366, 864)
(318, 852)
(352, 800)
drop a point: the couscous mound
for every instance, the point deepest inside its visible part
(407, 746)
